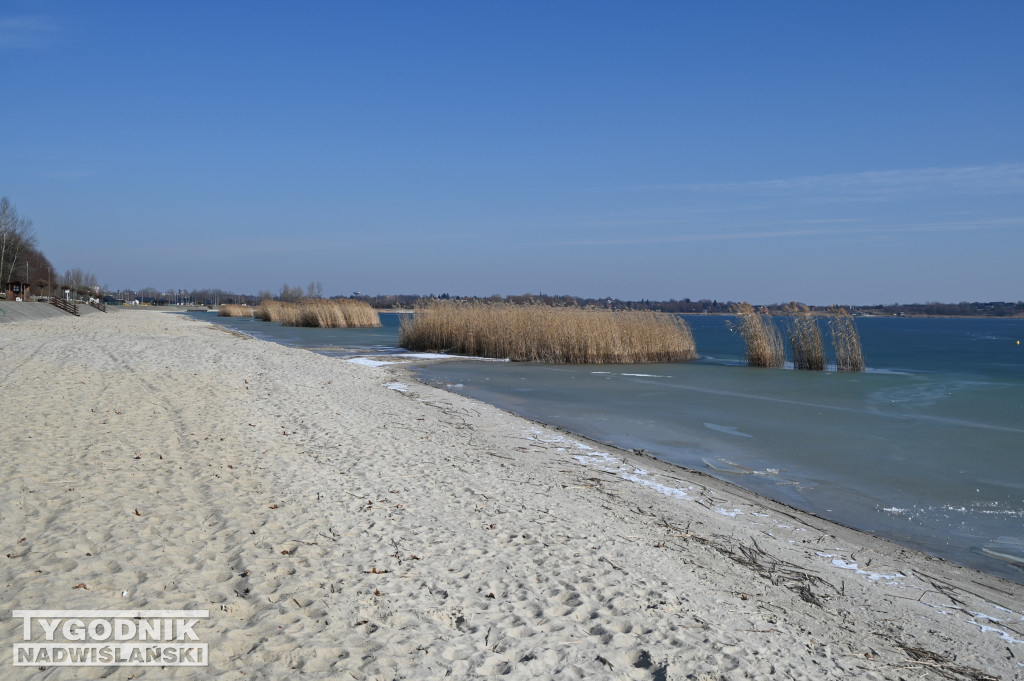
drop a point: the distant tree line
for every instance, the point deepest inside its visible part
(962, 309)
(407, 301)
(212, 296)
(684, 306)
(201, 297)
(706, 306)
(289, 294)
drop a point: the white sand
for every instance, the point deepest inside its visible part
(341, 521)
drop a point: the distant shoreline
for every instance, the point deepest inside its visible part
(403, 311)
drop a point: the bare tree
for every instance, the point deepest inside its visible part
(16, 237)
(291, 294)
(78, 281)
(315, 290)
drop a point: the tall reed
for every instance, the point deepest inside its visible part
(762, 337)
(232, 310)
(805, 339)
(845, 340)
(540, 333)
(319, 312)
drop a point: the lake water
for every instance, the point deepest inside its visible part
(925, 448)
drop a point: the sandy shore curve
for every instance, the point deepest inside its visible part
(341, 521)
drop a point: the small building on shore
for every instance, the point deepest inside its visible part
(16, 289)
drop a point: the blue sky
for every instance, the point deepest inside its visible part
(850, 153)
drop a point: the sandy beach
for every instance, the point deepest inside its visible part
(339, 520)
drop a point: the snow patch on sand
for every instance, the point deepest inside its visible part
(873, 576)
(365, 361)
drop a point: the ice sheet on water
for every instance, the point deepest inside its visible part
(613, 464)
(1009, 549)
(399, 358)
(728, 430)
(369, 362)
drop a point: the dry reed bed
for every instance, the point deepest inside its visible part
(276, 311)
(232, 310)
(319, 312)
(540, 333)
(765, 347)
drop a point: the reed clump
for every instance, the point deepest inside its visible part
(232, 310)
(762, 337)
(805, 339)
(541, 333)
(276, 311)
(338, 313)
(845, 340)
